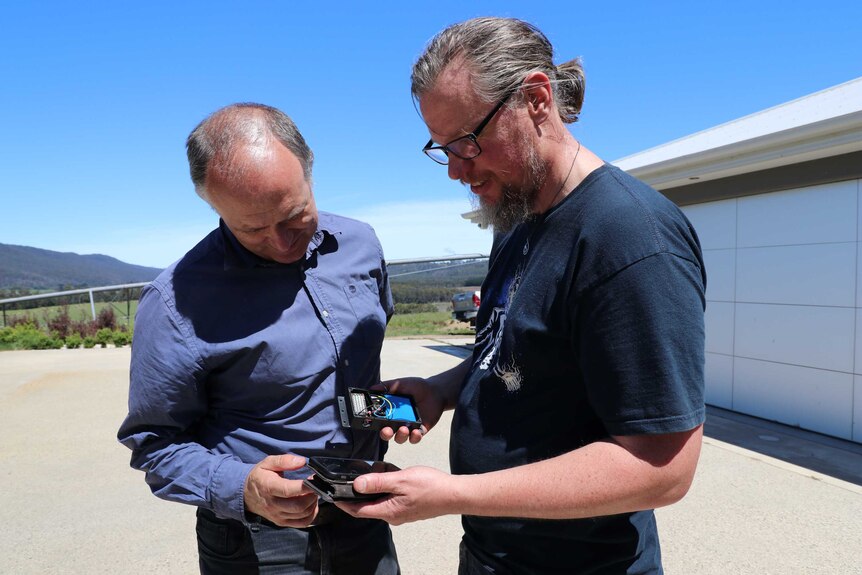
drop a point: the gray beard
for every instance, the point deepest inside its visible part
(515, 205)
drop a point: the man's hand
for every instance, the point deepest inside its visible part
(285, 502)
(428, 401)
(413, 494)
(432, 396)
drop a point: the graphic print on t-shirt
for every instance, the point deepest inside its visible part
(490, 337)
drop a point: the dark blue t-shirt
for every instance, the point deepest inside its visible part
(591, 325)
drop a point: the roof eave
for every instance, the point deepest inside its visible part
(821, 125)
(831, 137)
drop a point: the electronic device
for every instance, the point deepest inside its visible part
(371, 410)
(333, 477)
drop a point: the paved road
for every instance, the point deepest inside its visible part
(70, 504)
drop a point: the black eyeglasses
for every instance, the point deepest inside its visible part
(465, 147)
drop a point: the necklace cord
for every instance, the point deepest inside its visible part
(566, 179)
(553, 201)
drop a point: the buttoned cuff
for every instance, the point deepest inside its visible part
(228, 489)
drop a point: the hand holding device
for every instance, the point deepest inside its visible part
(429, 402)
(285, 502)
(411, 494)
(333, 477)
(376, 410)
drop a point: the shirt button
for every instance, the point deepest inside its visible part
(325, 313)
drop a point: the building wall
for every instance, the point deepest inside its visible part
(784, 305)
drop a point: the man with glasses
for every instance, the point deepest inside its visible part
(581, 408)
(242, 349)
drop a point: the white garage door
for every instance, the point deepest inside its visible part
(783, 319)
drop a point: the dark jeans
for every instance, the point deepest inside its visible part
(344, 545)
(469, 564)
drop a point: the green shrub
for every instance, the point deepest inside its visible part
(122, 337)
(26, 336)
(7, 335)
(104, 336)
(74, 341)
(32, 338)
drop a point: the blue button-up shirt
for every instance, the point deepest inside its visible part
(235, 358)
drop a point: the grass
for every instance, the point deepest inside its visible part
(426, 323)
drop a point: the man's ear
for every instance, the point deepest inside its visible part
(539, 97)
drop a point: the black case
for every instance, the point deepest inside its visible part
(333, 477)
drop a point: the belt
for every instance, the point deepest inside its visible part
(327, 514)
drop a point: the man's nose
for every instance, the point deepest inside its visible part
(282, 239)
(456, 167)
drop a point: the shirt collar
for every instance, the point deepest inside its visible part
(236, 256)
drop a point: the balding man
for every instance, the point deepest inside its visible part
(241, 349)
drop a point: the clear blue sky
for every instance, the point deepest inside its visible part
(97, 99)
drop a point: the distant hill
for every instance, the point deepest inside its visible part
(34, 268)
(442, 272)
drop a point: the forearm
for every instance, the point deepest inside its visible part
(602, 478)
(165, 403)
(448, 383)
(180, 470)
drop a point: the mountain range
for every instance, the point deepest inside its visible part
(23, 267)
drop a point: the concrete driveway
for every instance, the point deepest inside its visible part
(69, 503)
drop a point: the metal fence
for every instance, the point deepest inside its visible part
(114, 296)
(445, 270)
